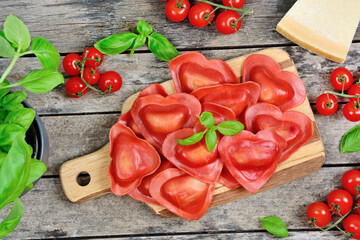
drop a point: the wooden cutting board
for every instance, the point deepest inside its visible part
(307, 160)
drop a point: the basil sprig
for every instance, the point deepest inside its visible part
(275, 226)
(351, 141)
(227, 128)
(119, 43)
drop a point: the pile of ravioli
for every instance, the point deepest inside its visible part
(150, 165)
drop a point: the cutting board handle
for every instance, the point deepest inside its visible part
(96, 165)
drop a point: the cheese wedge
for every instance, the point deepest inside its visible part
(325, 27)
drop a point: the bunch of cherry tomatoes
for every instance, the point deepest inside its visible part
(342, 80)
(340, 202)
(85, 72)
(203, 13)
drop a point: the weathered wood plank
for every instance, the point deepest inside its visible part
(48, 214)
(73, 25)
(143, 69)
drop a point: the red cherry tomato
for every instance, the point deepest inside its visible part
(351, 181)
(326, 104)
(110, 82)
(228, 22)
(354, 90)
(95, 54)
(88, 72)
(340, 201)
(75, 87)
(177, 10)
(234, 3)
(319, 214)
(71, 64)
(341, 78)
(351, 111)
(352, 225)
(201, 15)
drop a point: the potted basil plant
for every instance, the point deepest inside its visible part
(18, 166)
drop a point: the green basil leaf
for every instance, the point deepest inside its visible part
(22, 117)
(275, 226)
(41, 81)
(14, 171)
(13, 101)
(13, 219)
(17, 33)
(2, 34)
(230, 128)
(210, 139)
(144, 28)
(351, 141)
(161, 47)
(2, 157)
(207, 119)
(37, 169)
(47, 54)
(5, 91)
(191, 140)
(116, 43)
(140, 40)
(8, 133)
(6, 50)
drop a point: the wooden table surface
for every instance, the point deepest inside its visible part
(81, 126)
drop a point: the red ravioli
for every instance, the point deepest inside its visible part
(294, 127)
(142, 193)
(192, 70)
(234, 96)
(127, 120)
(156, 115)
(182, 194)
(251, 159)
(281, 88)
(132, 159)
(227, 179)
(194, 159)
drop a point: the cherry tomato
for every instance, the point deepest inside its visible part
(177, 10)
(341, 78)
(88, 72)
(351, 111)
(201, 14)
(319, 214)
(354, 90)
(326, 104)
(351, 181)
(71, 64)
(352, 225)
(340, 201)
(75, 87)
(234, 3)
(110, 82)
(228, 22)
(95, 54)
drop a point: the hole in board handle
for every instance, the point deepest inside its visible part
(83, 179)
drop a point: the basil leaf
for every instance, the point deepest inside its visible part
(47, 54)
(207, 119)
(2, 34)
(161, 47)
(210, 139)
(14, 171)
(6, 50)
(37, 169)
(2, 157)
(5, 91)
(351, 141)
(21, 117)
(230, 128)
(17, 33)
(8, 133)
(13, 101)
(13, 219)
(275, 226)
(29, 187)
(116, 43)
(139, 41)
(144, 28)
(41, 81)
(191, 140)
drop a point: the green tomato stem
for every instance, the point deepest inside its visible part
(82, 75)
(225, 7)
(343, 94)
